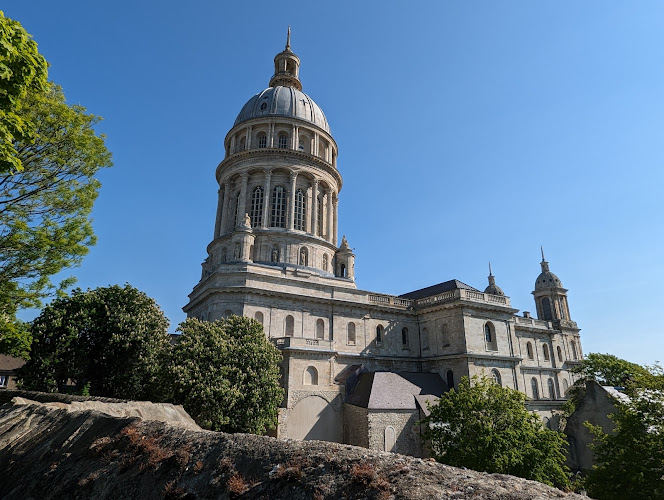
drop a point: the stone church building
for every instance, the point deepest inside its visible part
(358, 366)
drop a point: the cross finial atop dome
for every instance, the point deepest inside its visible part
(286, 68)
(493, 288)
(544, 263)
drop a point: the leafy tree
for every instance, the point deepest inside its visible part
(45, 209)
(22, 70)
(226, 375)
(608, 369)
(15, 339)
(111, 339)
(631, 459)
(485, 427)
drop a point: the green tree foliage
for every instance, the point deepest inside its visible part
(15, 339)
(111, 339)
(45, 209)
(608, 369)
(630, 460)
(22, 70)
(226, 375)
(485, 427)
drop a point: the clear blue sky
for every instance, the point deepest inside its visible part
(467, 132)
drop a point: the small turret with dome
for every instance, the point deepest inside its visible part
(493, 289)
(550, 296)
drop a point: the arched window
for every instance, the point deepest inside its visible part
(283, 140)
(534, 388)
(236, 204)
(379, 334)
(258, 316)
(490, 336)
(262, 140)
(300, 203)
(257, 207)
(546, 308)
(274, 255)
(278, 207)
(300, 145)
(223, 255)
(325, 265)
(545, 351)
(319, 216)
(290, 325)
(322, 149)
(425, 339)
(450, 379)
(496, 377)
(243, 144)
(351, 333)
(404, 338)
(529, 349)
(552, 389)
(342, 269)
(228, 313)
(310, 376)
(574, 355)
(320, 329)
(390, 438)
(304, 256)
(560, 354)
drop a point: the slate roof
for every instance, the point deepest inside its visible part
(395, 391)
(9, 363)
(445, 286)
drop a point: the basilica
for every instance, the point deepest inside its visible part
(358, 367)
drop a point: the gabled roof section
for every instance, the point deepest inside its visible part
(395, 391)
(445, 286)
(9, 363)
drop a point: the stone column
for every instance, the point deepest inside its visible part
(270, 136)
(293, 139)
(315, 151)
(226, 211)
(267, 199)
(242, 203)
(220, 207)
(314, 207)
(248, 141)
(336, 220)
(291, 212)
(232, 144)
(330, 216)
(296, 134)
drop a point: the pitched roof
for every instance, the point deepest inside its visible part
(394, 391)
(9, 363)
(445, 286)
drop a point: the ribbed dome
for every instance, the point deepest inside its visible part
(494, 290)
(283, 101)
(547, 280)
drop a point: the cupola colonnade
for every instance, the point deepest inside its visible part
(278, 198)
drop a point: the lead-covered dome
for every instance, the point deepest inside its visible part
(283, 101)
(547, 280)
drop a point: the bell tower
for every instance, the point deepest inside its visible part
(550, 296)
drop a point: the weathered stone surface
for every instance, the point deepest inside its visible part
(48, 452)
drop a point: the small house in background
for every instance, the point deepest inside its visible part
(595, 405)
(8, 367)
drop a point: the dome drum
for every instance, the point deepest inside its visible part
(283, 136)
